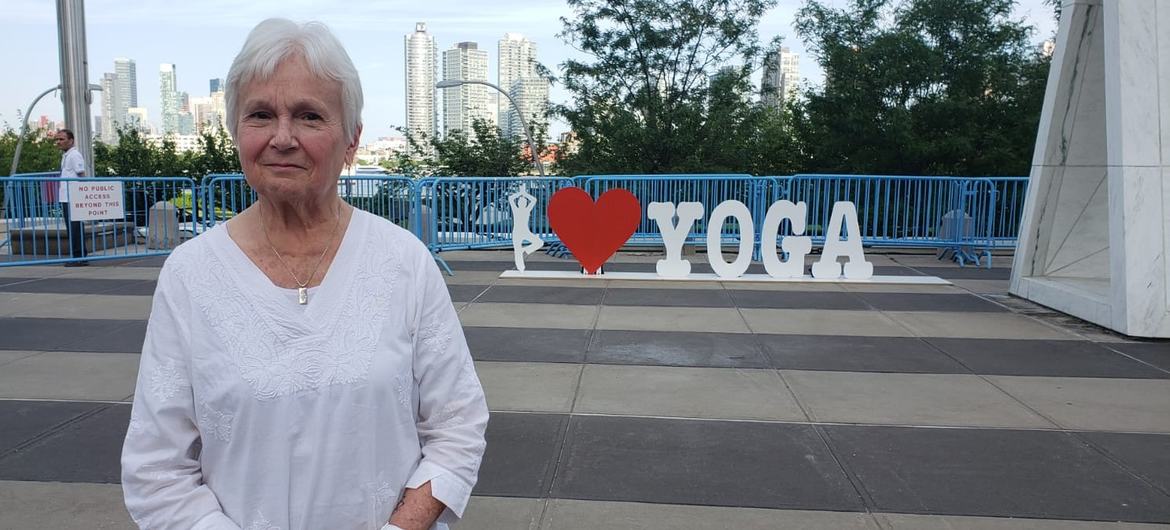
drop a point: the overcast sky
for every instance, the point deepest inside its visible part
(202, 37)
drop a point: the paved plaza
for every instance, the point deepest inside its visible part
(679, 405)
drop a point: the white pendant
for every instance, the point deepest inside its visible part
(303, 295)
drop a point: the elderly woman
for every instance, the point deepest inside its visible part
(303, 366)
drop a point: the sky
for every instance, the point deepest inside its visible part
(202, 37)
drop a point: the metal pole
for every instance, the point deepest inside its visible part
(24, 130)
(75, 93)
(519, 113)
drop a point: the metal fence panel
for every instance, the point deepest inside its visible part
(461, 213)
(35, 230)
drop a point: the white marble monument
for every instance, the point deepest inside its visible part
(1095, 235)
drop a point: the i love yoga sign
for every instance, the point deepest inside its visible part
(594, 230)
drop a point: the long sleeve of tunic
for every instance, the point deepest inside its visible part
(254, 412)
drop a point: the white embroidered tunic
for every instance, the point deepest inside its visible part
(253, 412)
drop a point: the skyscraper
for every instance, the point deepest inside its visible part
(531, 95)
(466, 103)
(109, 108)
(215, 85)
(420, 82)
(517, 61)
(781, 77)
(127, 79)
(169, 98)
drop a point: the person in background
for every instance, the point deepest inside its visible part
(303, 368)
(72, 166)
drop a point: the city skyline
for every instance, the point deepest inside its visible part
(202, 40)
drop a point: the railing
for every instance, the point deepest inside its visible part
(387, 196)
(469, 213)
(36, 230)
(710, 190)
(966, 216)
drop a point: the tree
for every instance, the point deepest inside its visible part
(38, 154)
(642, 102)
(919, 87)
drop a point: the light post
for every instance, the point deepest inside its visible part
(452, 83)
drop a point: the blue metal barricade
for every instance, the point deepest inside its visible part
(460, 213)
(36, 230)
(387, 196)
(710, 190)
(900, 211)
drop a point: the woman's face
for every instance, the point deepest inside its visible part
(291, 140)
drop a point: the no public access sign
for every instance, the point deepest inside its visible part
(96, 201)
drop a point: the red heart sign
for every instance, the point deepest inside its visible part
(593, 231)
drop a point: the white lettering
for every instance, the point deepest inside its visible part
(674, 235)
(856, 268)
(797, 246)
(743, 216)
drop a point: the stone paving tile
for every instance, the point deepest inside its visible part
(635, 318)
(716, 463)
(1130, 405)
(532, 345)
(857, 354)
(667, 297)
(522, 454)
(7, 356)
(568, 514)
(70, 376)
(42, 334)
(797, 300)
(716, 393)
(544, 294)
(464, 293)
(29, 505)
(529, 387)
(819, 322)
(900, 288)
(676, 348)
(21, 421)
(1056, 358)
(1155, 353)
(88, 450)
(502, 513)
(471, 278)
(1001, 473)
(951, 522)
(1146, 455)
(908, 399)
(929, 302)
(976, 325)
(529, 315)
(983, 286)
(784, 286)
(52, 305)
(614, 285)
(967, 273)
(81, 286)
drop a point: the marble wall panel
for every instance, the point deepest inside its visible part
(1131, 83)
(1071, 134)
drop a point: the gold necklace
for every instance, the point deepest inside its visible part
(302, 287)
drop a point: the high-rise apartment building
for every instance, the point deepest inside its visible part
(119, 94)
(464, 104)
(781, 77)
(517, 61)
(109, 108)
(420, 82)
(127, 79)
(169, 98)
(531, 95)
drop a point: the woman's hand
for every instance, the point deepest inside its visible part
(417, 510)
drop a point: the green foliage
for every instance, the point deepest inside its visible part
(38, 154)
(485, 153)
(920, 87)
(655, 95)
(135, 156)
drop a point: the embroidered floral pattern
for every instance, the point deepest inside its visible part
(436, 337)
(279, 358)
(403, 385)
(259, 522)
(166, 380)
(216, 424)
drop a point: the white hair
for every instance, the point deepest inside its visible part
(277, 39)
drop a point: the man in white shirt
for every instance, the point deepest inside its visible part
(72, 165)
